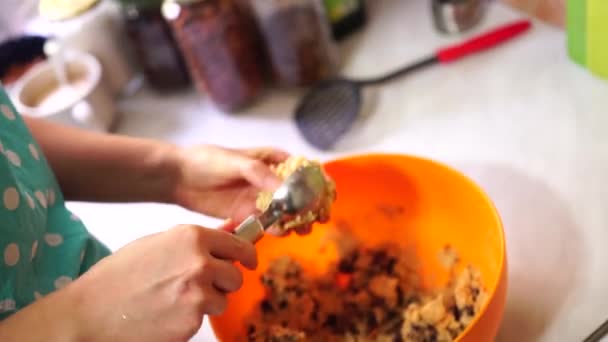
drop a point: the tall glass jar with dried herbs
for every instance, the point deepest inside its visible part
(154, 44)
(222, 48)
(298, 40)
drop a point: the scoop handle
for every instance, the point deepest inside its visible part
(483, 42)
(250, 230)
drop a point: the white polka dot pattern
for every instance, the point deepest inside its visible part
(11, 254)
(30, 200)
(7, 111)
(34, 151)
(11, 198)
(13, 157)
(51, 196)
(62, 282)
(34, 250)
(37, 295)
(7, 305)
(53, 240)
(41, 198)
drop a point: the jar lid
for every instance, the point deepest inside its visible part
(184, 2)
(64, 9)
(141, 3)
(171, 8)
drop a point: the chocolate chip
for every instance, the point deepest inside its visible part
(371, 319)
(267, 281)
(469, 310)
(266, 306)
(395, 327)
(378, 257)
(400, 296)
(284, 324)
(433, 334)
(282, 304)
(353, 328)
(378, 301)
(293, 273)
(251, 329)
(331, 320)
(390, 266)
(314, 316)
(456, 313)
(346, 266)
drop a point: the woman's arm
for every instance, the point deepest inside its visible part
(55, 317)
(103, 167)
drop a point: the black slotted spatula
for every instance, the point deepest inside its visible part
(330, 109)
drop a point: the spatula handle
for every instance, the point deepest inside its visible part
(483, 42)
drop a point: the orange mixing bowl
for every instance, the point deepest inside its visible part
(412, 201)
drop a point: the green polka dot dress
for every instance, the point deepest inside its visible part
(43, 245)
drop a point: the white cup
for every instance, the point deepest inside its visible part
(85, 102)
(99, 31)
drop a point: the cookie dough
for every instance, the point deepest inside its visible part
(285, 169)
(369, 294)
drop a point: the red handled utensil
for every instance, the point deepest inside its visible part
(329, 110)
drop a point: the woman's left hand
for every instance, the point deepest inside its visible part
(224, 182)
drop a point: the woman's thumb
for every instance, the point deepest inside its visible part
(229, 226)
(259, 174)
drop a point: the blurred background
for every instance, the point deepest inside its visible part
(526, 120)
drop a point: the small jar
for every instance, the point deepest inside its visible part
(346, 16)
(457, 16)
(219, 41)
(96, 27)
(298, 40)
(154, 46)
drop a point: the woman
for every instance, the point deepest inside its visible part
(58, 283)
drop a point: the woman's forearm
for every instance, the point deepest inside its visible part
(52, 318)
(103, 167)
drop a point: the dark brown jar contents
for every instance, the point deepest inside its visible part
(298, 40)
(154, 45)
(219, 41)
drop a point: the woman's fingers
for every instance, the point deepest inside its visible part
(227, 246)
(266, 154)
(227, 277)
(256, 173)
(214, 301)
(228, 226)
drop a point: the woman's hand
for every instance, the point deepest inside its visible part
(224, 182)
(159, 287)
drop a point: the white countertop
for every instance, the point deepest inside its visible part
(523, 121)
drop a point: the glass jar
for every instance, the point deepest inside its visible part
(298, 40)
(346, 16)
(219, 41)
(154, 46)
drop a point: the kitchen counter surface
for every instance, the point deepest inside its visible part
(522, 120)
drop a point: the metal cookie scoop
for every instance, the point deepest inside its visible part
(300, 193)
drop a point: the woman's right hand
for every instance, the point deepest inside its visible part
(159, 287)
